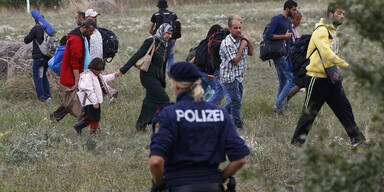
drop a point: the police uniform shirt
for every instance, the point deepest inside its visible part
(193, 138)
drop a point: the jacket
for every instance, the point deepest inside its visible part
(327, 47)
(73, 58)
(36, 35)
(194, 138)
(158, 64)
(90, 91)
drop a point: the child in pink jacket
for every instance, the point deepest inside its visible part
(92, 86)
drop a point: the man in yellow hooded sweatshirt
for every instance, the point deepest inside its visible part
(322, 50)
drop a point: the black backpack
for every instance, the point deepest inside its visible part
(110, 44)
(207, 56)
(168, 17)
(299, 55)
(202, 57)
(214, 46)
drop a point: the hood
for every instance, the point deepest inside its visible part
(324, 22)
(76, 31)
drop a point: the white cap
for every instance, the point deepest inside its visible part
(91, 13)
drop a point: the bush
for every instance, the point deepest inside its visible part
(330, 168)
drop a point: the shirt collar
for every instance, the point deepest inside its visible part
(184, 96)
(233, 39)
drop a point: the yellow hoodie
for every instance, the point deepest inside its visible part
(327, 48)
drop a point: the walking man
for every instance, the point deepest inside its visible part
(233, 53)
(322, 51)
(40, 62)
(73, 63)
(280, 28)
(95, 40)
(166, 16)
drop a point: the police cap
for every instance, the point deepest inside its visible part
(184, 71)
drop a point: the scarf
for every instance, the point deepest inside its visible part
(164, 28)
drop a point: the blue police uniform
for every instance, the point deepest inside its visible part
(193, 137)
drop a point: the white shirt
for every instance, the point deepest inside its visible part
(96, 45)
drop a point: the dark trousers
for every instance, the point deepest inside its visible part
(155, 99)
(319, 91)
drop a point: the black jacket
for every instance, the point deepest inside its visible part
(36, 35)
(158, 64)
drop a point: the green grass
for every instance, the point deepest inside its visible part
(39, 155)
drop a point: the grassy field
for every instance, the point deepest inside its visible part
(39, 155)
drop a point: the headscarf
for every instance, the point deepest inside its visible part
(164, 28)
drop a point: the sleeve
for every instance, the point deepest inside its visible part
(271, 29)
(139, 54)
(86, 86)
(109, 77)
(327, 55)
(76, 53)
(31, 36)
(153, 18)
(235, 147)
(162, 137)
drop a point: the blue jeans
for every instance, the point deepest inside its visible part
(40, 67)
(171, 52)
(206, 83)
(285, 81)
(219, 92)
(235, 91)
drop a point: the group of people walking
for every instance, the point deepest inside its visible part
(192, 136)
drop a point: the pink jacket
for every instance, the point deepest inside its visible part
(90, 91)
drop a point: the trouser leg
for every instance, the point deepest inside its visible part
(316, 95)
(340, 105)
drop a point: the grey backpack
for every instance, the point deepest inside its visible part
(49, 45)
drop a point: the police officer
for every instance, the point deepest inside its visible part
(191, 138)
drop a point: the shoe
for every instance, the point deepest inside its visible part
(239, 125)
(79, 126)
(93, 131)
(357, 141)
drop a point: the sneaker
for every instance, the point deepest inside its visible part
(239, 125)
(79, 126)
(357, 141)
(93, 131)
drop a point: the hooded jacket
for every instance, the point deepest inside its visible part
(90, 90)
(73, 58)
(327, 47)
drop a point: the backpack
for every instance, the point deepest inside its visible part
(110, 44)
(191, 54)
(55, 62)
(214, 46)
(49, 45)
(299, 55)
(169, 17)
(203, 58)
(208, 52)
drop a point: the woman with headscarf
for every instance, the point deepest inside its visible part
(154, 79)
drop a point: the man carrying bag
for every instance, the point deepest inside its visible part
(325, 81)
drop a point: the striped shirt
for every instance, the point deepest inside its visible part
(228, 50)
(96, 45)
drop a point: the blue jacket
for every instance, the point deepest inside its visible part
(194, 138)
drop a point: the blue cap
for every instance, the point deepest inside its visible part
(184, 71)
